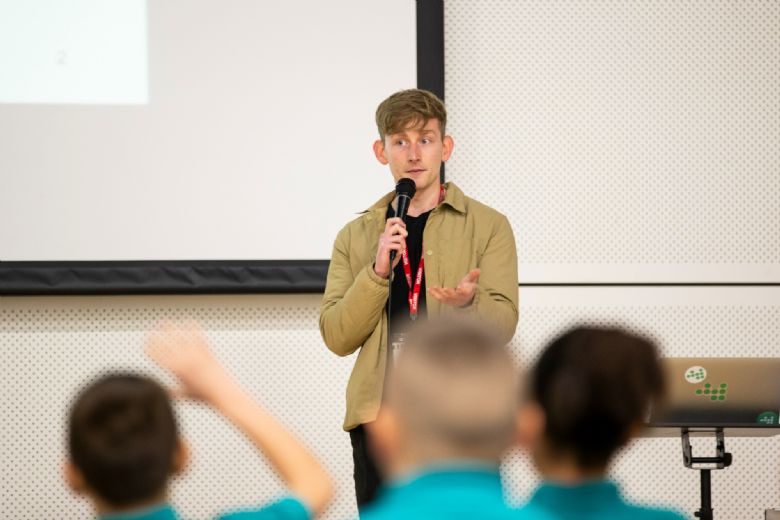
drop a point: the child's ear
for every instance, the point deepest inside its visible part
(384, 436)
(74, 478)
(634, 429)
(530, 425)
(181, 457)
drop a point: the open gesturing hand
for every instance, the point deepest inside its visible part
(460, 296)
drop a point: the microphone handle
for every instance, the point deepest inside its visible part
(402, 206)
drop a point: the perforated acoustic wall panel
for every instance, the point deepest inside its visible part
(51, 347)
(626, 140)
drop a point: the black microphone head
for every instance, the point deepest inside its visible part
(405, 187)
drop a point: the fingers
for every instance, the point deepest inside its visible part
(171, 344)
(472, 276)
(393, 239)
(443, 294)
(393, 222)
(395, 226)
(157, 341)
(395, 230)
(458, 297)
(435, 292)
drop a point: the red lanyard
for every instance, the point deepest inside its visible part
(414, 288)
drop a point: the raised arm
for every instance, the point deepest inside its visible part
(184, 351)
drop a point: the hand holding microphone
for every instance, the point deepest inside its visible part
(393, 239)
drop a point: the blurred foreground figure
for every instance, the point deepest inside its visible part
(590, 391)
(448, 416)
(125, 446)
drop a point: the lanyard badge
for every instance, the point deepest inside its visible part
(416, 285)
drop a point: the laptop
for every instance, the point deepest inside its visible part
(720, 392)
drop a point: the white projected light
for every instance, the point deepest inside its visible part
(78, 51)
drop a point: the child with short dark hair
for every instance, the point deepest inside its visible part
(124, 442)
(589, 393)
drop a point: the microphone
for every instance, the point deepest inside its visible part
(404, 191)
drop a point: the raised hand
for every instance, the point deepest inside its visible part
(183, 350)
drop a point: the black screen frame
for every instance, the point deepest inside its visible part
(212, 276)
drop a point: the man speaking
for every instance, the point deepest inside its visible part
(441, 254)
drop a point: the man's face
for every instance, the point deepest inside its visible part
(415, 153)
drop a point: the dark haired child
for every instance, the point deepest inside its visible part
(125, 445)
(589, 393)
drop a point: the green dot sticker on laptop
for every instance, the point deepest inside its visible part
(768, 418)
(695, 374)
(716, 392)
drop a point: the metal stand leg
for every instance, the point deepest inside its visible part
(705, 512)
(721, 460)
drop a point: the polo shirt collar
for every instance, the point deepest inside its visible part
(473, 475)
(588, 495)
(158, 512)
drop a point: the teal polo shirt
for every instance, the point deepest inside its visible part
(596, 500)
(462, 491)
(288, 508)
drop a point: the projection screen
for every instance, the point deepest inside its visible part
(192, 130)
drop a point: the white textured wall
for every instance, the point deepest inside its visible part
(627, 140)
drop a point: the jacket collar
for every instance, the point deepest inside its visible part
(454, 198)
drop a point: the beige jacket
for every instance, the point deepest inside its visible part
(460, 234)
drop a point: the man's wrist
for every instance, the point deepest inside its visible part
(467, 304)
(471, 301)
(379, 274)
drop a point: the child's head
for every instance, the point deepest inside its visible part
(453, 394)
(593, 387)
(123, 440)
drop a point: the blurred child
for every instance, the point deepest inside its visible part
(447, 418)
(589, 394)
(125, 444)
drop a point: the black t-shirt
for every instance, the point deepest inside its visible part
(399, 304)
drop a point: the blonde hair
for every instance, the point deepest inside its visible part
(455, 388)
(409, 108)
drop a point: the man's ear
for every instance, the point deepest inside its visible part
(181, 457)
(379, 152)
(530, 425)
(447, 146)
(74, 478)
